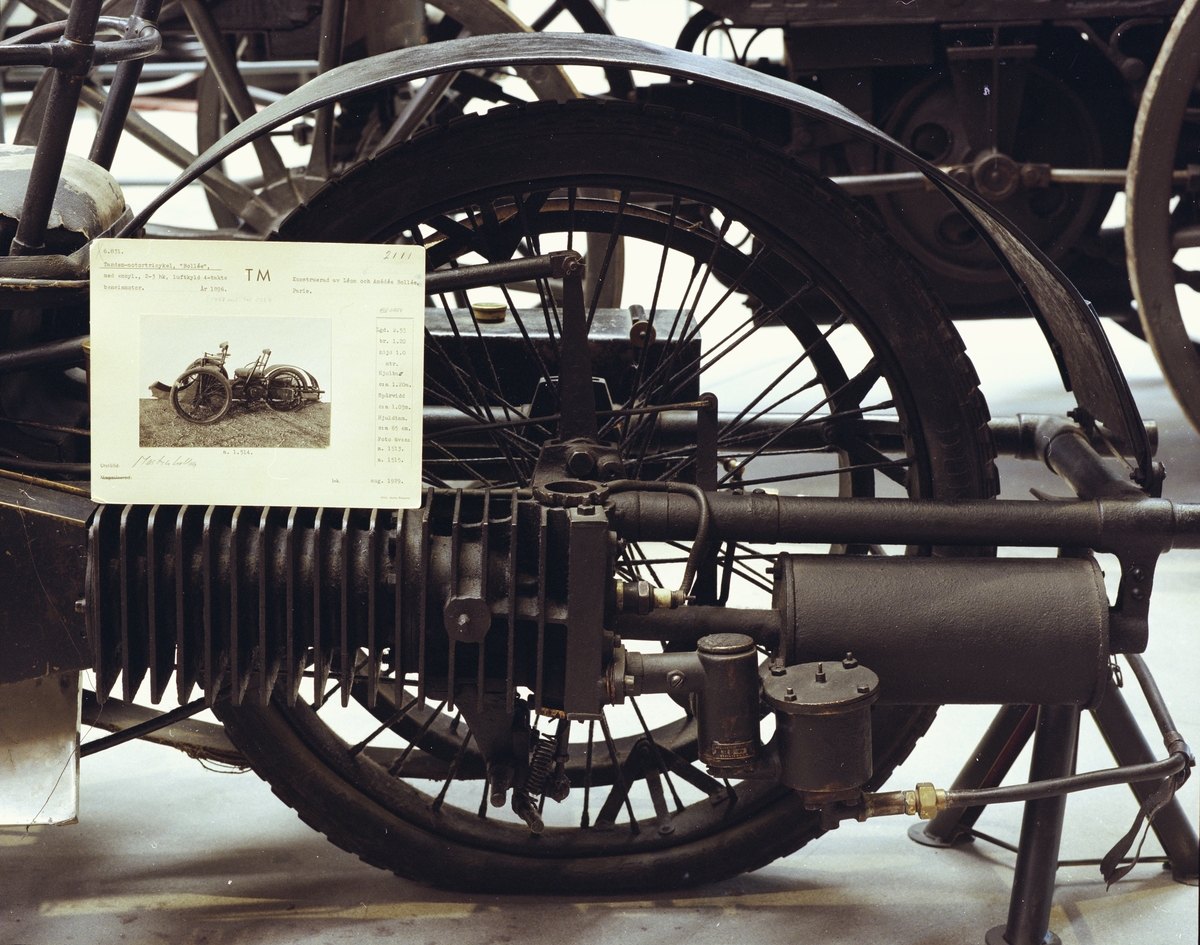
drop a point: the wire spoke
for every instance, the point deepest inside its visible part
(396, 717)
(450, 775)
(396, 765)
(657, 754)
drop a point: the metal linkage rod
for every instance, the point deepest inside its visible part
(148, 727)
(517, 270)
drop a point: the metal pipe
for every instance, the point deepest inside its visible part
(1154, 698)
(1016, 436)
(1013, 436)
(28, 75)
(1041, 789)
(1102, 525)
(66, 351)
(515, 270)
(689, 624)
(329, 56)
(987, 766)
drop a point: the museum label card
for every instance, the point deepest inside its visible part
(257, 373)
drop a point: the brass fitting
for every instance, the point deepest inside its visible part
(925, 801)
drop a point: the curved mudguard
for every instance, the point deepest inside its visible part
(312, 391)
(1073, 330)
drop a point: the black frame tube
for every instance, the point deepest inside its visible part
(121, 91)
(1105, 525)
(63, 100)
(1041, 828)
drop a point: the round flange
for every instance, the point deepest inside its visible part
(996, 937)
(568, 493)
(917, 834)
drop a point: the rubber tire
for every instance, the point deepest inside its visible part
(290, 748)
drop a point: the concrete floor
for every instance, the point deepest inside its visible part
(167, 851)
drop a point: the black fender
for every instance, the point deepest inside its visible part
(1081, 349)
(309, 378)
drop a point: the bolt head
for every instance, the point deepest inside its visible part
(580, 463)
(675, 679)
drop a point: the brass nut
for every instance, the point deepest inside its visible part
(929, 800)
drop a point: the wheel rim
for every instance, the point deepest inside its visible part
(1160, 240)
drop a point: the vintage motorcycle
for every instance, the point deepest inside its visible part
(205, 391)
(596, 540)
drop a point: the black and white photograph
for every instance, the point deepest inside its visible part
(234, 382)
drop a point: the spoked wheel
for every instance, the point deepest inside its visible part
(1162, 222)
(880, 400)
(201, 395)
(285, 390)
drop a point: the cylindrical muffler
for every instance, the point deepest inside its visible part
(952, 630)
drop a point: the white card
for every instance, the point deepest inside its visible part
(314, 400)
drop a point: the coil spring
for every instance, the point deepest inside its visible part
(541, 765)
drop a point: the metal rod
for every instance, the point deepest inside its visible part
(120, 94)
(329, 56)
(1041, 830)
(864, 185)
(143, 728)
(56, 129)
(515, 270)
(224, 67)
(1046, 787)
